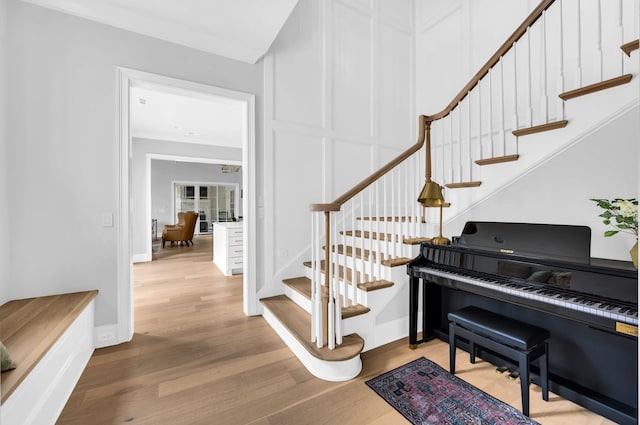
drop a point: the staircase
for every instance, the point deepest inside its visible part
(290, 314)
(353, 295)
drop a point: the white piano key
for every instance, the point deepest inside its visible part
(571, 303)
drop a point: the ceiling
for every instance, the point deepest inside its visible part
(182, 116)
(238, 29)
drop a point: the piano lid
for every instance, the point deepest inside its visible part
(550, 241)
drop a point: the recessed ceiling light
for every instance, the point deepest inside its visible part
(192, 133)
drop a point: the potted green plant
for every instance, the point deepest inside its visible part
(622, 215)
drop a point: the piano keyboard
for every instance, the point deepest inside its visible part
(589, 305)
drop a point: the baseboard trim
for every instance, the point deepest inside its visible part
(141, 258)
(105, 336)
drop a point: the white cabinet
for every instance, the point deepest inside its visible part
(227, 247)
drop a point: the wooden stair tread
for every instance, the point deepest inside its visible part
(359, 252)
(401, 219)
(30, 327)
(303, 286)
(497, 159)
(367, 286)
(540, 128)
(416, 241)
(383, 236)
(389, 262)
(341, 269)
(395, 262)
(354, 310)
(627, 48)
(463, 184)
(298, 322)
(592, 88)
(375, 285)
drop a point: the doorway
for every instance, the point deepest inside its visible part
(128, 78)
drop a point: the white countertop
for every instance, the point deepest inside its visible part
(229, 224)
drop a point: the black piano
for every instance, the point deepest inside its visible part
(544, 275)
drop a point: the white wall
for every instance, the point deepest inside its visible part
(64, 149)
(604, 164)
(4, 161)
(339, 87)
(454, 39)
(188, 171)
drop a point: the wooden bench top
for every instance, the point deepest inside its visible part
(29, 328)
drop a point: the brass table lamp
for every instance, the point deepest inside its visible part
(431, 196)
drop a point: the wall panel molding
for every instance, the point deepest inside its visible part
(340, 73)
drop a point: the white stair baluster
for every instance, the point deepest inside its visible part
(480, 155)
(378, 257)
(337, 313)
(385, 224)
(544, 103)
(394, 223)
(502, 123)
(417, 178)
(318, 284)
(579, 47)
(490, 115)
(333, 284)
(442, 149)
(313, 277)
(451, 173)
(401, 215)
(620, 29)
(372, 240)
(469, 146)
(528, 80)
(356, 298)
(515, 124)
(340, 284)
(599, 40)
(356, 280)
(560, 89)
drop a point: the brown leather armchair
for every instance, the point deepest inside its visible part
(183, 231)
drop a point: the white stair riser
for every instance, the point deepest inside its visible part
(298, 298)
(406, 227)
(331, 371)
(402, 250)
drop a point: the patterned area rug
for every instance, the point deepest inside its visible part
(425, 393)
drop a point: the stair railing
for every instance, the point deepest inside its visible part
(522, 88)
(387, 217)
(465, 132)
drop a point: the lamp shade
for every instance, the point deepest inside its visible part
(431, 195)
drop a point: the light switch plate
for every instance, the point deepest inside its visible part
(107, 219)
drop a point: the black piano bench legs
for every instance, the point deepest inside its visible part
(515, 340)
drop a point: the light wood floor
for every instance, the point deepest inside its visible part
(196, 358)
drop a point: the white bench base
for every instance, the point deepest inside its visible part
(41, 396)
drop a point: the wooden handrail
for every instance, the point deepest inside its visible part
(493, 60)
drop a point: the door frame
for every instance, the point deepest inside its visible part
(125, 79)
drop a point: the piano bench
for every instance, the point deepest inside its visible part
(515, 340)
